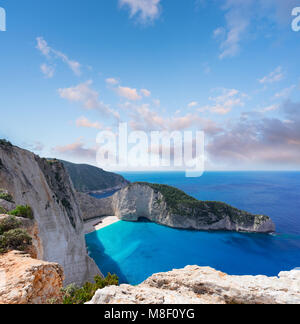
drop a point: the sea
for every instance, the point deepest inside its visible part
(135, 251)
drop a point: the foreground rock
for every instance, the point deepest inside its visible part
(171, 207)
(196, 285)
(24, 280)
(46, 187)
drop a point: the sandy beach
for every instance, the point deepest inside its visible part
(99, 223)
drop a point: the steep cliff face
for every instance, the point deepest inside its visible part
(46, 187)
(169, 206)
(92, 207)
(196, 285)
(87, 178)
(24, 280)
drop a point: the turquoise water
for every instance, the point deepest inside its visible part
(135, 251)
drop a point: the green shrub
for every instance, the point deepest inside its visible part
(15, 239)
(6, 196)
(5, 142)
(22, 211)
(9, 223)
(2, 210)
(75, 295)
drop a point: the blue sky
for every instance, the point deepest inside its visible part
(70, 68)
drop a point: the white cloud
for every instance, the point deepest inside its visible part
(156, 102)
(77, 150)
(112, 81)
(48, 70)
(84, 122)
(144, 118)
(285, 93)
(89, 98)
(36, 146)
(145, 10)
(240, 15)
(275, 76)
(128, 93)
(73, 65)
(224, 103)
(42, 46)
(219, 32)
(270, 108)
(193, 104)
(146, 93)
(51, 53)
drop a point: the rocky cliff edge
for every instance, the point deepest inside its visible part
(46, 187)
(196, 285)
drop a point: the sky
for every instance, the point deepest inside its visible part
(230, 68)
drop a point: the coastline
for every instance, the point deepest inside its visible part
(98, 223)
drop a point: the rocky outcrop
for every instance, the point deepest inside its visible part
(196, 285)
(46, 187)
(6, 206)
(92, 207)
(171, 207)
(24, 280)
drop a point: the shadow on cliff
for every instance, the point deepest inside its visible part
(105, 263)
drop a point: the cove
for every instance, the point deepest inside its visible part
(135, 251)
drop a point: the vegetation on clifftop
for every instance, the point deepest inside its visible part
(178, 202)
(12, 236)
(5, 142)
(22, 211)
(6, 196)
(75, 295)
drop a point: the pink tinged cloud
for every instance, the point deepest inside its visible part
(77, 150)
(84, 122)
(111, 81)
(88, 98)
(224, 103)
(128, 93)
(146, 93)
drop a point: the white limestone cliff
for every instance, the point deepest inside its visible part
(46, 187)
(142, 200)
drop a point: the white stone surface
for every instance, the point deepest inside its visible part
(202, 285)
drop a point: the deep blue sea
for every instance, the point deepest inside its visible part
(134, 251)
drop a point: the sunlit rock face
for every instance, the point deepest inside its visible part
(197, 285)
(46, 187)
(24, 280)
(171, 207)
